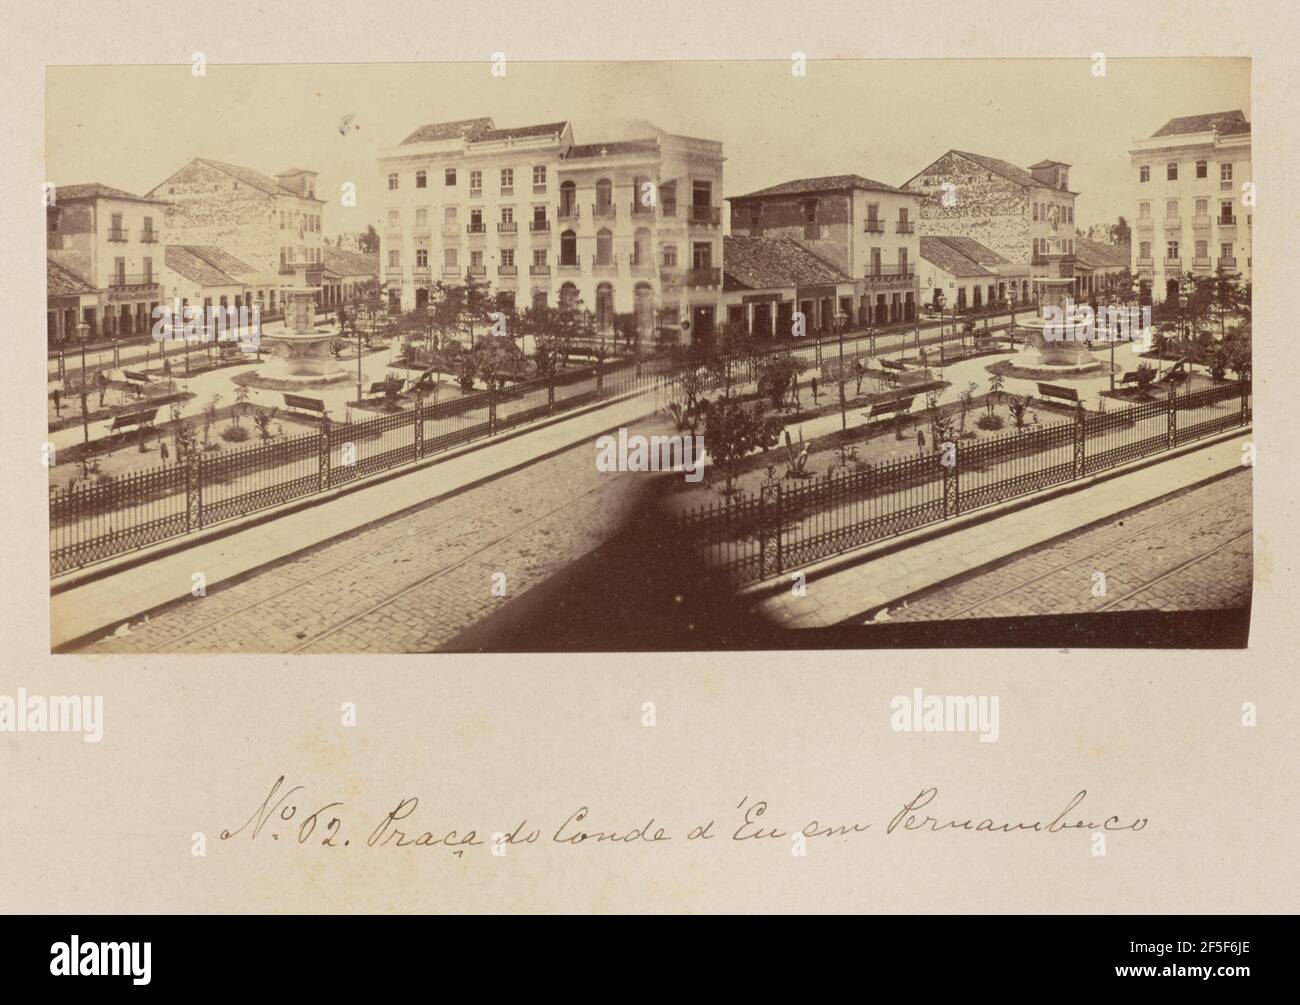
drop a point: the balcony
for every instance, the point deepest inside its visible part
(608, 267)
(639, 209)
(1227, 221)
(507, 190)
(507, 227)
(1173, 223)
(873, 226)
(450, 230)
(476, 228)
(149, 236)
(641, 268)
(476, 193)
(507, 270)
(1225, 186)
(539, 189)
(123, 279)
(420, 230)
(1227, 263)
(1173, 265)
(117, 234)
(420, 272)
(1201, 264)
(670, 275)
(539, 226)
(704, 276)
(451, 270)
(567, 212)
(905, 227)
(539, 270)
(478, 270)
(1146, 264)
(568, 268)
(1144, 224)
(605, 211)
(1201, 222)
(877, 269)
(668, 209)
(711, 215)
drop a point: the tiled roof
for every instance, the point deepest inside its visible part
(1098, 255)
(1004, 168)
(349, 263)
(766, 263)
(827, 183)
(519, 132)
(94, 190)
(1223, 123)
(220, 260)
(1048, 164)
(972, 249)
(60, 281)
(613, 148)
(249, 177)
(448, 130)
(207, 265)
(938, 251)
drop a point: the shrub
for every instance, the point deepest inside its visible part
(234, 434)
(988, 421)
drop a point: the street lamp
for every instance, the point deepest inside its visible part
(841, 319)
(83, 335)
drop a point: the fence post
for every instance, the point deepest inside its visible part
(600, 377)
(550, 393)
(492, 408)
(762, 533)
(418, 412)
(1245, 395)
(323, 455)
(193, 467)
(780, 527)
(1171, 417)
(62, 364)
(1080, 438)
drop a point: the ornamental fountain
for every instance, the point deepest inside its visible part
(300, 355)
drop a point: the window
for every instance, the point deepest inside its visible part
(282, 211)
(1225, 252)
(507, 181)
(1171, 171)
(421, 179)
(1144, 173)
(702, 255)
(670, 256)
(1069, 214)
(449, 218)
(1171, 250)
(604, 195)
(1202, 207)
(539, 177)
(476, 221)
(1202, 249)
(604, 247)
(449, 177)
(148, 270)
(422, 217)
(507, 214)
(539, 257)
(668, 198)
(476, 259)
(539, 217)
(394, 258)
(641, 247)
(810, 211)
(755, 213)
(1202, 169)
(702, 193)
(394, 219)
(1144, 211)
(449, 258)
(115, 232)
(568, 199)
(568, 248)
(1225, 211)
(1144, 249)
(1035, 212)
(475, 181)
(421, 258)
(508, 257)
(392, 181)
(1171, 209)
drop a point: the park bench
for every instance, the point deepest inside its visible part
(1175, 373)
(377, 388)
(1131, 377)
(130, 419)
(137, 380)
(890, 406)
(891, 364)
(1056, 391)
(297, 401)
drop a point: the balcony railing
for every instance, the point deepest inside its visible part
(606, 211)
(116, 234)
(706, 214)
(608, 267)
(507, 270)
(507, 190)
(571, 267)
(1227, 221)
(670, 274)
(450, 230)
(1146, 263)
(1227, 263)
(906, 227)
(640, 209)
(567, 212)
(419, 272)
(642, 268)
(1225, 186)
(475, 228)
(133, 279)
(1201, 222)
(507, 227)
(476, 193)
(888, 269)
(1200, 263)
(668, 209)
(539, 226)
(873, 226)
(1145, 224)
(1172, 264)
(451, 270)
(539, 270)
(539, 189)
(1173, 222)
(704, 276)
(478, 270)
(149, 236)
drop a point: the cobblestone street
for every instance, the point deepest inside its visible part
(1191, 551)
(413, 582)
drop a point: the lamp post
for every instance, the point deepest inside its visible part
(83, 335)
(840, 320)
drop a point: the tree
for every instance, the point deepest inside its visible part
(1120, 233)
(369, 241)
(777, 374)
(996, 383)
(732, 431)
(1018, 406)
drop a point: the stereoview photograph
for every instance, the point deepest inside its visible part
(649, 356)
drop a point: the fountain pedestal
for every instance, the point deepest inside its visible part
(300, 354)
(1060, 345)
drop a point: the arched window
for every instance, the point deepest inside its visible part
(568, 297)
(641, 254)
(605, 306)
(568, 200)
(604, 247)
(568, 248)
(604, 197)
(644, 305)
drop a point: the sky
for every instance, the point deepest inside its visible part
(131, 127)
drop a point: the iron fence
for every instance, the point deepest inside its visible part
(756, 536)
(90, 522)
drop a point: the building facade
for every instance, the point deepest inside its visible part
(865, 229)
(1025, 216)
(960, 274)
(112, 241)
(768, 279)
(621, 227)
(1194, 194)
(269, 224)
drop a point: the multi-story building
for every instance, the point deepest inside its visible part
(1027, 217)
(630, 226)
(1191, 177)
(111, 240)
(865, 229)
(269, 223)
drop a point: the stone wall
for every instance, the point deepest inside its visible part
(210, 207)
(988, 207)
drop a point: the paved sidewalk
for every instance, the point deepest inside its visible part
(102, 604)
(873, 583)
